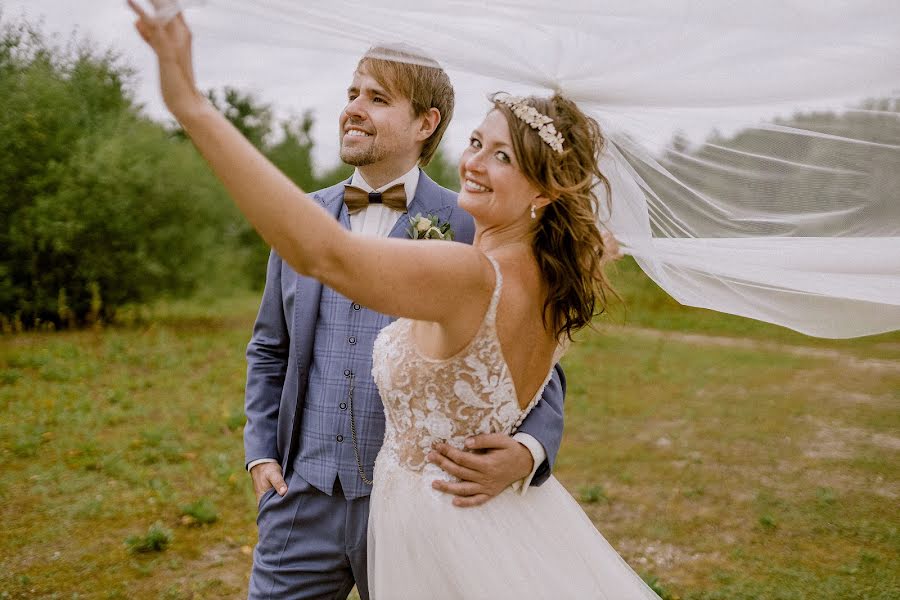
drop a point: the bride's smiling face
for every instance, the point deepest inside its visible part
(494, 190)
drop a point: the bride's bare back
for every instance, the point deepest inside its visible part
(527, 347)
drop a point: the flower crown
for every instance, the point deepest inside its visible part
(535, 119)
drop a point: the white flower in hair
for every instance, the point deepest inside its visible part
(535, 119)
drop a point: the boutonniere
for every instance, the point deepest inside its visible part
(429, 228)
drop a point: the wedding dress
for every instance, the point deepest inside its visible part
(537, 545)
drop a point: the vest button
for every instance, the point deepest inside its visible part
(343, 406)
(340, 438)
(352, 339)
(347, 373)
(356, 306)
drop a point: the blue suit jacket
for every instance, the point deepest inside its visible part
(280, 350)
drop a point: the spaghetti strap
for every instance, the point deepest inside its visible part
(490, 318)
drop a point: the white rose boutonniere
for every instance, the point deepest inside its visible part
(429, 228)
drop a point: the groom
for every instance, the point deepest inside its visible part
(315, 421)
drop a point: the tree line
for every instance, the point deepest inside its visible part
(768, 179)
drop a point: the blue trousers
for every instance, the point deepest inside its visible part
(311, 545)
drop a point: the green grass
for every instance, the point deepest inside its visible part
(106, 432)
(718, 467)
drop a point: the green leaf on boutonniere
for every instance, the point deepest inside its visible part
(428, 227)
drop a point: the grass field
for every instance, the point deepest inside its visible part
(721, 457)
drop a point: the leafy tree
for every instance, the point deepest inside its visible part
(98, 206)
(337, 173)
(252, 118)
(292, 153)
(119, 230)
(444, 171)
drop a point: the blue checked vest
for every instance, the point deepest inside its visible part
(345, 334)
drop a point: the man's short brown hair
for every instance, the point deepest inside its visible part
(409, 73)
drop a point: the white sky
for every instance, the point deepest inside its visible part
(264, 70)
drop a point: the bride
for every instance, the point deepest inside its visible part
(480, 328)
(529, 180)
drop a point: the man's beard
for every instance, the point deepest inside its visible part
(360, 157)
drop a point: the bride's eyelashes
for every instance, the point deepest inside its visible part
(500, 155)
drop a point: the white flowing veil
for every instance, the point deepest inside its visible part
(753, 147)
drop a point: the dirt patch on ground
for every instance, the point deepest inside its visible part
(834, 440)
(852, 397)
(656, 555)
(222, 571)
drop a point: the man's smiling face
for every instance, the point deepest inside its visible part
(376, 124)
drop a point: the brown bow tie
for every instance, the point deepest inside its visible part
(356, 199)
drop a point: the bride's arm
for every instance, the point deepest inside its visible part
(427, 280)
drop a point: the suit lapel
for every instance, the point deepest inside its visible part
(427, 201)
(333, 200)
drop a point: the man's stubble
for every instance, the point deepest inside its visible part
(361, 157)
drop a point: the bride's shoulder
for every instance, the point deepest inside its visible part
(523, 286)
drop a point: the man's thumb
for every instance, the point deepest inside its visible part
(278, 483)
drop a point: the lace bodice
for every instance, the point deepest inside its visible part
(429, 400)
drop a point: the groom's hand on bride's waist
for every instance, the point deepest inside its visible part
(266, 476)
(490, 464)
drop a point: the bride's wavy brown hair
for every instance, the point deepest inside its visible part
(567, 242)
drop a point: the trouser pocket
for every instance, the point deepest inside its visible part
(265, 498)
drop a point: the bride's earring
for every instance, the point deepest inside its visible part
(533, 207)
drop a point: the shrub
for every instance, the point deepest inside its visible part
(202, 512)
(593, 494)
(157, 539)
(98, 206)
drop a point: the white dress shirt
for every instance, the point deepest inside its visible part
(379, 220)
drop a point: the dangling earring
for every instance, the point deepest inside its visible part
(533, 216)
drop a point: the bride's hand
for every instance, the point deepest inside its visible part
(171, 41)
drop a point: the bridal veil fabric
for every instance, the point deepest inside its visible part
(753, 147)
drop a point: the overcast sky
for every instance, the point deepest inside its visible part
(274, 74)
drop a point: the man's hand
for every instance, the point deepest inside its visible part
(266, 476)
(489, 465)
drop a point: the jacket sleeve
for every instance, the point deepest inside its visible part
(545, 422)
(267, 359)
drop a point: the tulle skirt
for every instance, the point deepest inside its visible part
(540, 545)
